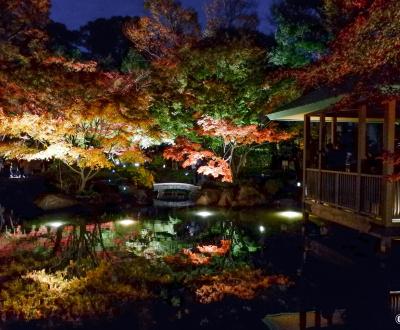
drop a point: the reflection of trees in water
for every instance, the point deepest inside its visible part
(7, 219)
(212, 232)
(80, 244)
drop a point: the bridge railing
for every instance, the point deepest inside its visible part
(175, 186)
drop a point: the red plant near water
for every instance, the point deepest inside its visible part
(216, 250)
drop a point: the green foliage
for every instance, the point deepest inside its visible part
(226, 81)
(133, 62)
(220, 80)
(139, 176)
(301, 35)
(258, 161)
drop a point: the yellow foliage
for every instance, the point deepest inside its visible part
(39, 295)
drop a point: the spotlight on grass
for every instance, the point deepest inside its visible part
(291, 214)
(127, 222)
(204, 214)
(55, 224)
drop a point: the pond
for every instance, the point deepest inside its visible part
(155, 268)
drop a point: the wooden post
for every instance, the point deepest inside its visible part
(361, 150)
(303, 320)
(307, 126)
(317, 319)
(334, 131)
(388, 145)
(321, 147)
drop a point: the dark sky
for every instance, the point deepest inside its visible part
(75, 13)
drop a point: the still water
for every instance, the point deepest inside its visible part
(202, 267)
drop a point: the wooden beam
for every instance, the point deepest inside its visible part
(388, 145)
(347, 219)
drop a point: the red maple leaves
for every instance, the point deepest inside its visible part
(241, 135)
(191, 154)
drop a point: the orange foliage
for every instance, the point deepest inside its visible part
(190, 154)
(242, 135)
(169, 27)
(366, 49)
(70, 65)
(216, 250)
(243, 283)
(196, 258)
(187, 257)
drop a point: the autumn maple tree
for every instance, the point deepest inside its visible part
(55, 108)
(232, 138)
(191, 154)
(364, 49)
(169, 27)
(85, 139)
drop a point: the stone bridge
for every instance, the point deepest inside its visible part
(175, 194)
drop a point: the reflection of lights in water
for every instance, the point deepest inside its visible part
(127, 222)
(298, 184)
(55, 224)
(290, 214)
(262, 229)
(204, 214)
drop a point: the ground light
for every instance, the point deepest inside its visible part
(127, 222)
(290, 214)
(55, 224)
(204, 214)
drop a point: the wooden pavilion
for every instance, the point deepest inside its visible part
(345, 181)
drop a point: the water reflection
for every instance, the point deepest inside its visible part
(182, 253)
(148, 233)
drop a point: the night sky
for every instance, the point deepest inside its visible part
(75, 13)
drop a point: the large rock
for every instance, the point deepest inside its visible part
(249, 196)
(208, 197)
(53, 202)
(141, 197)
(226, 199)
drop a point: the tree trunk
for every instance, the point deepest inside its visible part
(82, 185)
(60, 175)
(83, 177)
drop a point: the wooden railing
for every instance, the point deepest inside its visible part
(396, 201)
(394, 302)
(360, 193)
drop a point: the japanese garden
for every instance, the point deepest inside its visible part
(172, 164)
